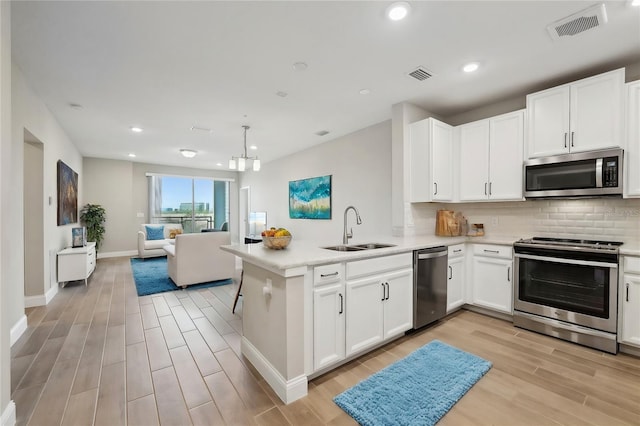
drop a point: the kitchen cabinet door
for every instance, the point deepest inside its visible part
(631, 310)
(431, 161)
(398, 303)
(474, 161)
(328, 325)
(442, 161)
(492, 283)
(596, 112)
(506, 136)
(455, 283)
(364, 319)
(548, 122)
(632, 153)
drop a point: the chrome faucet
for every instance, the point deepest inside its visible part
(346, 235)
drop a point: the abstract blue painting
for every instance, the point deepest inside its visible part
(67, 195)
(310, 198)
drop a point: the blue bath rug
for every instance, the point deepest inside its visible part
(417, 390)
(151, 276)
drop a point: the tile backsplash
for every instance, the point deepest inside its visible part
(598, 218)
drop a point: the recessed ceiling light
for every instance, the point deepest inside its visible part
(75, 106)
(253, 147)
(132, 155)
(470, 67)
(365, 91)
(135, 129)
(300, 66)
(398, 11)
(635, 3)
(188, 153)
(282, 94)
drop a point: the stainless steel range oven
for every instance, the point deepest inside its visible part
(568, 289)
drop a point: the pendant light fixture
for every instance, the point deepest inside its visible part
(241, 162)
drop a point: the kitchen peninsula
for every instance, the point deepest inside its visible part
(280, 291)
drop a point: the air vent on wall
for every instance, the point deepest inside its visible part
(420, 74)
(577, 23)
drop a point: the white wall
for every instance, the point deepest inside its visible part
(30, 113)
(360, 166)
(7, 415)
(120, 186)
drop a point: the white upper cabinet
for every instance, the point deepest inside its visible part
(632, 153)
(491, 158)
(431, 161)
(581, 116)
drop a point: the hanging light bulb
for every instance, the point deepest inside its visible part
(241, 161)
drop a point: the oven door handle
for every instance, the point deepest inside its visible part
(569, 261)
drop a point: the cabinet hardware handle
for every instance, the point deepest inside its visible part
(492, 251)
(333, 274)
(572, 138)
(341, 304)
(384, 292)
(490, 187)
(450, 272)
(509, 274)
(387, 284)
(435, 187)
(457, 250)
(565, 139)
(627, 292)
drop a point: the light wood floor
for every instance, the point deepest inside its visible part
(102, 355)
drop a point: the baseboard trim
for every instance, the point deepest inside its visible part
(630, 350)
(9, 415)
(41, 299)
(17, 330)
(126, 253)
(287, 390)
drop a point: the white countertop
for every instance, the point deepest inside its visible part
(630, 249)
(310, 253)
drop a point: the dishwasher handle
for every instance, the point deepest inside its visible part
(431, 255)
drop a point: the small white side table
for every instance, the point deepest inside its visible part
(76, 263)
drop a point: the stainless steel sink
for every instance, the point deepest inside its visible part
(358, 247)
(343, 248)
(370, 246)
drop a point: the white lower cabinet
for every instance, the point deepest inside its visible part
(328, 315)
(493, 277)
(455, 277)
(77, 263)
(630, 307)
(380, 303)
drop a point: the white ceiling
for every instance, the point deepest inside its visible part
(168, 66)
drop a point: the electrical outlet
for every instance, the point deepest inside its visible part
(494, 221)
(140, 214)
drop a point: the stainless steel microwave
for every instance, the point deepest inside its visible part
(582, 174)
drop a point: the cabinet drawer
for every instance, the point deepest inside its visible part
(456, 250)
(361, 268)
(490, 250)
(632, 264)
(326, 274)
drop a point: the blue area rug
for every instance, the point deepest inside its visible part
(417, 390)
(151, 277)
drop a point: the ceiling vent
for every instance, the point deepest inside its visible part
(577, 23)
(420, 74)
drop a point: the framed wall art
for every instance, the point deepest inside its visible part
(310, 198)
(67, 195)
(78, 237)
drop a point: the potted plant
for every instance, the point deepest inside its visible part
(93, 217)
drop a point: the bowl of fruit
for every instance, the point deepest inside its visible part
(276, 238)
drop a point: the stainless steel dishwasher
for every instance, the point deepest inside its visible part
(429, 285)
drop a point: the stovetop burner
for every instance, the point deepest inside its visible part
(568, 242)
